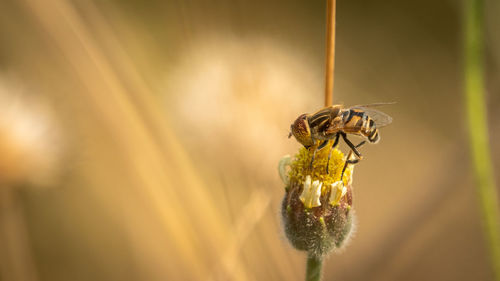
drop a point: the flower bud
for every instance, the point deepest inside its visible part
(316, 208)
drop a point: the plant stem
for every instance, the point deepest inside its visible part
(330, 52)
(16, 256)
(314, 264)
(478, 129)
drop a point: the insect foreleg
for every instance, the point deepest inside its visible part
(335, 143)
(316, 148)
(323, 144)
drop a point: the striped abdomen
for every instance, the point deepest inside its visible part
(358, 122)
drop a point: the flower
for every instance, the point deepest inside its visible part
(30, 143)
(316, 208)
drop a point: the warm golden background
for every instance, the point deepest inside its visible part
(139, 140)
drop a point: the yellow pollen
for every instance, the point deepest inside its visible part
(300, 168)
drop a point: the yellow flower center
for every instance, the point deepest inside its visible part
(300, 167)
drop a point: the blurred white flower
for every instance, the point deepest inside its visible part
(241, 94)
(29, 140)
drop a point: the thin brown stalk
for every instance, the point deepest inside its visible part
(16, 257)
(330, 51)
(314, 264)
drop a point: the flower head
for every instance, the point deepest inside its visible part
(316, 208)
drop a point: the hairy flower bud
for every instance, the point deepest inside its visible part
(316, 209)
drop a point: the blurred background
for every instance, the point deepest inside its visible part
(139, 140)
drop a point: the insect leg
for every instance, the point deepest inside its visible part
(316, 148)
(347, 162)
(353, 148)
(323, 144)
(331, 149)
(360, 144)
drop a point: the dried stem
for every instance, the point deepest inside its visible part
(478, 129)
(330, 52)
(16, 258)
(314, 264)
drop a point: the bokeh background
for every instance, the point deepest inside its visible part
(139, 140)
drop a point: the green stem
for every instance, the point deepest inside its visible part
(478, 129)
(314, 265)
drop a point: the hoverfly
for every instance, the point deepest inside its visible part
(330, 123)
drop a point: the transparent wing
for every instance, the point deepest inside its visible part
(373, 104)
(381, 119)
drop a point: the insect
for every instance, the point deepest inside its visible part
(315, 131)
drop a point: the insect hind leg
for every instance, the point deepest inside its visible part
(360, 144)
(352, 146)
(347, 162)
(353, 150)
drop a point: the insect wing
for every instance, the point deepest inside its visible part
(381, 119)
(376, 104)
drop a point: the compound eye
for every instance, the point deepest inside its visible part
(301, 131)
